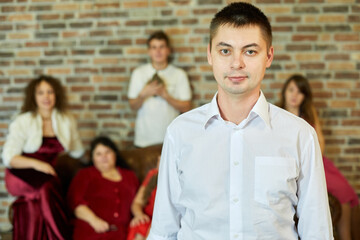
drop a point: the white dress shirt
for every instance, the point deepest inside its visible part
(218, 180)
(155, 115)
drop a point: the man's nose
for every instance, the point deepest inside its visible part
(238, 61)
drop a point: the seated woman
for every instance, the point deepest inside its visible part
(296, 97)
(36, 137)
(143, 206)
(101, 195)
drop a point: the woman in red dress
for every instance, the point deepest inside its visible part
(143, 206)
(296, 97)
(101, 195)
(36, 137)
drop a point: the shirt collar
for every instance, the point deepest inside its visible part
(261, 109)
(212, 112)
(159, 71)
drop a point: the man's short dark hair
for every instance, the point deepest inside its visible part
(240, 14)
(159, 35)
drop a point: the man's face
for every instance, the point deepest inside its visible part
(239, 58)
(158, 51)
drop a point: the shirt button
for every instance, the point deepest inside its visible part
(236, 163)
(116, 190)
(235, 200)
(116, 214)
(236, 235)
(117, 201)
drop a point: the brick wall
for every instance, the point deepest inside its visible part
(93, 46)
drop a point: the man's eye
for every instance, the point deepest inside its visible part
(250, 52)
(224, 51)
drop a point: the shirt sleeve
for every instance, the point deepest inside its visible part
(135, 85)
(77, 190)
(14, 143)
(167, 212)
(313, 204)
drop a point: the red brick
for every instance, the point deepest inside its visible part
(135, 4)
(104, 33)
(347, 37)
(7, 9)
(76, 107)
(20, 17)
(25, 63)
(355, 94)
(114, 125)
(184, 49)
(352, 151)
(137, 23)
(108, 115)
(65, 7)
(323, 94)
(282, 28)
(159, 3)
(113, 69)
(304, 37)
(343, 104)
(308, 66)
(341, 94)
(90, 15)
(88, 125)
(78, 61)
(351, 123)
(37, 44)
(111, 88)
(58, 71)
(337, 85)
(99, 106)
(19, 36)
(108, 24)
(207, 11)
(337, 56)
(106, 5)
(355, 113)
(79, 70)
(293, 47)
(141, 41)
(352, 47)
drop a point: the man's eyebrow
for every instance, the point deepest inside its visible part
(223, 44)
(251, 45)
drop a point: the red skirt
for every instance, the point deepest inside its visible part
(39, 212)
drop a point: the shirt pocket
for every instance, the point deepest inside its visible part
(275, 179)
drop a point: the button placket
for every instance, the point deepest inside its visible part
(236, 153)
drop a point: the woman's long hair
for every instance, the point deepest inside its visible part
(120, 162)
(152, 184)
(30, 105)
(307, 109)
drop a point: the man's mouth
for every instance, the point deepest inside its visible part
(237, 78)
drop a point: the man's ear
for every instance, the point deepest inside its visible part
(270, 57)
(209, 58)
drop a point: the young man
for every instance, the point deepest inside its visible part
(159, 92)
(240, 167)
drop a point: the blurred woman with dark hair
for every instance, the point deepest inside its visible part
(42, 131)
(296, 97)
(101, 195)
(143, 206)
